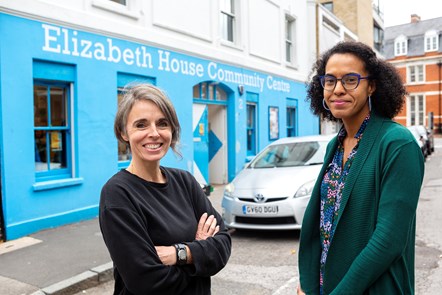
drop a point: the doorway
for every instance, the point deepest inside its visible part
(217, 144)
(210, 143)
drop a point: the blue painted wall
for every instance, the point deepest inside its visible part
(96, 68)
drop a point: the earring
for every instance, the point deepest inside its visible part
(369, 102)
(324, 105)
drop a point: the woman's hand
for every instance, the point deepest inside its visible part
(167, 254)
(206, 227)
(299, 290)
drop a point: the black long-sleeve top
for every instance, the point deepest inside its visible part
(137, 215)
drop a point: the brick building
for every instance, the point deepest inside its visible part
(415, 50)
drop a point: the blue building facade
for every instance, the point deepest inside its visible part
(59, 90)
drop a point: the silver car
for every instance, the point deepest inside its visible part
(272, 191)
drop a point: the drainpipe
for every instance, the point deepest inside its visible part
(439, 64)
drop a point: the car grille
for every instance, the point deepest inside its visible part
(266, 220)
(251, 200)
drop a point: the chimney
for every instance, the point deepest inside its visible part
(415, 18)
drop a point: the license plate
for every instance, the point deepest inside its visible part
(250, 210)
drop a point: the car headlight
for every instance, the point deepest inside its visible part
(228, 190)
(306, 189)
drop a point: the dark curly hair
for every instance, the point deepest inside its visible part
(388, 98)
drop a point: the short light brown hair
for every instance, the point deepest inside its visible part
(139, 92)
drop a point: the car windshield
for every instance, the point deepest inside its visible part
(290, 155)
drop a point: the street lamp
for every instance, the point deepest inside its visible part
(439, 64)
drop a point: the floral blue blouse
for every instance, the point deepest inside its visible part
(331, 192)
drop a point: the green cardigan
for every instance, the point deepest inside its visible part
(372, 251)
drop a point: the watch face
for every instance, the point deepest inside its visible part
(182, 255)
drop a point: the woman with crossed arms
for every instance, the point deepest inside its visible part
(161, 231)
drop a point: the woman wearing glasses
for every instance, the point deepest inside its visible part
(358, 230)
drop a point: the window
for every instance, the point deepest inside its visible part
(52, 130)
(127, 8)
(378, 37)
(122, 2)
(328, 23)
(251, 129)
(291, 121)
(228, 20)
(124, 79)
(400, 46)
(328, 6)
(416, 110)
(290, 39)
(252, 125)
(291, 116)
(431, 41)
(209, 91)
(416, 74)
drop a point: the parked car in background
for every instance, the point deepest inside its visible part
(419, 139)
(273, 190)
(427, 134)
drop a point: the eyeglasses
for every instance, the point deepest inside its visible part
(348, 81)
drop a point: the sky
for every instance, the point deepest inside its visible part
(397, 12)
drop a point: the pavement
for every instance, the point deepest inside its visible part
(62, 260)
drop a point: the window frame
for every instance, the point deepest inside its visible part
(416, 74)
(328, 5)
(400, 46)
(251, 128)
(209, 91)
(378, 37)
(416, 113)
(129, 9)
(290, 40)
(67, 172)
(291, 111)
(119, 2)
(233, 15)
(431, 41)
(291, 116)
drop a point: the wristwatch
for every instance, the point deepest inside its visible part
(181, 254)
